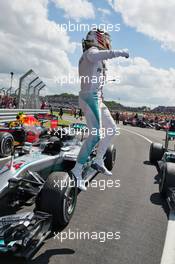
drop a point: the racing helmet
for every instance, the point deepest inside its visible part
(97, 38)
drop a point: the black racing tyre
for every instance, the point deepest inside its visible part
(6, 144)
(167, 178)
(53, 146)
(109, 158)
(58, 197)
(156, 152)
(157, 127)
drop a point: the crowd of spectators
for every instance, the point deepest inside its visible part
(148, 116)
(117, 115)
(7, 102)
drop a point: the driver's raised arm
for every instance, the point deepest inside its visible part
(94, 55)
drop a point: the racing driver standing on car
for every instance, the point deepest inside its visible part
(96, 49)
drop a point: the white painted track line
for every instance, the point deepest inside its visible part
(137, 134)
(168, 256)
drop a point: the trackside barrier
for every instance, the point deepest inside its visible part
(10, 114)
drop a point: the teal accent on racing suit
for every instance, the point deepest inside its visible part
(92, 75)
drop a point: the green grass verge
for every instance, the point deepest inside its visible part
(60, 123)
(64, 122)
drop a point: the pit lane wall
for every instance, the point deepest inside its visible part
(10, 114)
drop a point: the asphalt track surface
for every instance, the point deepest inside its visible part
(135, 210)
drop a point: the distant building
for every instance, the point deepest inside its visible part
(164, 109)
(63, 99)
(70, 100)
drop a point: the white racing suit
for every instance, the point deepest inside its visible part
(98, 117)
(92, 74)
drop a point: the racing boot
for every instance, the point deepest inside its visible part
(77, 172)
(98, 164)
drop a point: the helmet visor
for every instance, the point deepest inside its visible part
(108, 41)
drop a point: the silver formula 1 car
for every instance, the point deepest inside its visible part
(39, 174)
